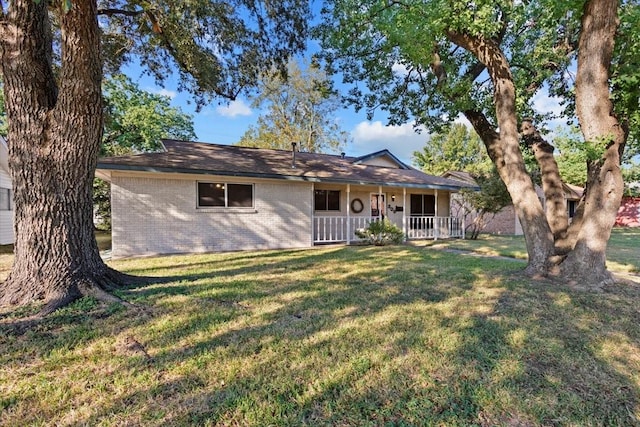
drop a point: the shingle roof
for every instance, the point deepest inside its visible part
(230, 160)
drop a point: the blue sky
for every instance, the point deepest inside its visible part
(224, 122)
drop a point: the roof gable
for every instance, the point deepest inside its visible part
(382, 158)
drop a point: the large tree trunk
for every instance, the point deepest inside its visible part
(54, 137)
(599, 125)
(555, 205)
(504, 150)
(584, 242)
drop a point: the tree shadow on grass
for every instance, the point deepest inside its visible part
(416, 337)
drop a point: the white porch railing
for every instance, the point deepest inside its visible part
(333, 229)
(434, 227)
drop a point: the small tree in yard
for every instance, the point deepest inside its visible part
(381, 233)
(482, 205)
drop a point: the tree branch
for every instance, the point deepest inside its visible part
(112, 12)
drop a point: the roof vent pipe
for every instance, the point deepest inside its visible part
(293, 154)
(342, 155)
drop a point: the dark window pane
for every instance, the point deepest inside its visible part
(333, 200)
(210, 194)
(416, 204)
(572, 208)
(320, 200)
(240, 195)
(429, 204)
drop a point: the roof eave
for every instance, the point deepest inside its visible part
(102, 171)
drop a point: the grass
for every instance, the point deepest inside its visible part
(334, 336)
(622, 250)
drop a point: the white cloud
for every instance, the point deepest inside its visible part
(402, 141)
(399, 69)
(166, 92)
(544, 103)
(234, 109)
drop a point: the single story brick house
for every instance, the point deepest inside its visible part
(201, 197)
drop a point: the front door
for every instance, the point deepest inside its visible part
(378, 205)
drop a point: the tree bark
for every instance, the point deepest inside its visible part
(555, 205)
(504, 150)
(54, 138)
(599, 126)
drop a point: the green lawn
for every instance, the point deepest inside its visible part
(335, 336)
(622, 251)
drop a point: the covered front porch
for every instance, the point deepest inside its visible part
(422, 213)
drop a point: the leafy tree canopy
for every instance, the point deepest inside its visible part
(218, 48)
(136, 120)
(458, 148)
(403, 54)
(300, 107)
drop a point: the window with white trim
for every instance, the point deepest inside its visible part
(224, 195)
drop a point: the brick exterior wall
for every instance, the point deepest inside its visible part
(504, 222)
(158, 215)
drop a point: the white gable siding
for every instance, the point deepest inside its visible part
(159, 215)
(383, 161)
(6, 217)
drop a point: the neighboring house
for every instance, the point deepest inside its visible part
(629, 212)
(506, 221)
(6, 196)
(199, 197)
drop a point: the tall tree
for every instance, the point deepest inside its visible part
(52, 83)
(300, 107)
(435, 59)
(134, 121)
(456, 148)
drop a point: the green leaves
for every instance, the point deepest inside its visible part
(300, 107)
(455, 149)
(136, 120)
(215, 48)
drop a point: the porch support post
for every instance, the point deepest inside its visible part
(348, 214)
(404, 214)
(313, 219)
(436, 231)
(463, 226)
(380, 204)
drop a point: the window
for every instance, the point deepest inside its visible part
(224, 195)
(571, 207)
(326, 200)
(423, 204)
(6, 204)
